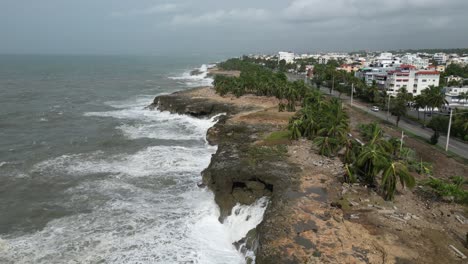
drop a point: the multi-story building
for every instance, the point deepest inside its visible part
(414, 80)
(287, 56)
(424, 79)
(323, 59)
(415, 60)
(440, 58)
(452, 95)
(354, 67)
(373, 74)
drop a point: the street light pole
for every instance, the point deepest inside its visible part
(401, 142)
(333, 84)
(448, 132)
(352, 93)
(388, 107)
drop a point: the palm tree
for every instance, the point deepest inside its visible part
(327, 145)
(404, 95)
(352, 149)
(420, 102)
(295, 129)
(398, 109)
(373, 92)
(371, 160)
(393, 172)
(435, 97)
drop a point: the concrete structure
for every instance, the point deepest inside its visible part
(349, 67)
(414, 80)
(452, 95)
(287, 56)
(424, 79)
(385, 58)
(453, 78)
(440, 58)
(440, 68)
(323, 59)
(415, 60)
(371, 74)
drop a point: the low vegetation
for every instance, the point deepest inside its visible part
(449, 189)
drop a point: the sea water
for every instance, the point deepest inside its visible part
(89, 175)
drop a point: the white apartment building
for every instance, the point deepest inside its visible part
(415, 60)
(371, 74)
(440, 58)
(287, 56)
(323, 59)
(414, 80)
(452, 95)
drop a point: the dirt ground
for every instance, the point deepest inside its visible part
(331, 222)
(420, 224)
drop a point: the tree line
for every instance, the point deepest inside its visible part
(258, 80)
(378, 162)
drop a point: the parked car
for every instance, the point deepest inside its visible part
(375, 108)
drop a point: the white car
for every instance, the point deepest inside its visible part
(375, 108)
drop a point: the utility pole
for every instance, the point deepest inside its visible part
(448, 132)
(333, 84)
(352, 93)
(401, 141)
(388, 107)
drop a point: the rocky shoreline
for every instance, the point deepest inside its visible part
(245, 168)
(240, 171)
(311, 216)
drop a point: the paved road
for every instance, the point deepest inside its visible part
(456, 146)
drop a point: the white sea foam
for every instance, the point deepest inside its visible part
(244, 218)
(128, 221)
(195, 80)
(151, 161)
(156, 124)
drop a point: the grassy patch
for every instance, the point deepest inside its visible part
(415, 119)
(449, 188)
(257, 154)
(277, 138)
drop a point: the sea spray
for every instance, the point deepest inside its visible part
(242, 220)
(199, 77)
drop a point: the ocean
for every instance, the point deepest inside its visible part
(89, 175)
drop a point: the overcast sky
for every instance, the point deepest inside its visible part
(240, 26)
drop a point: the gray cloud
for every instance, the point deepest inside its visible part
(237, 15)
(181, 26)
(154, 9)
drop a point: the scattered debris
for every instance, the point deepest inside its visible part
(354, 216)
(461, 219)
(397, 218)
(458, 252)
(386, 211)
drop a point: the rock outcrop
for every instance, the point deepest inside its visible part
(183, 103)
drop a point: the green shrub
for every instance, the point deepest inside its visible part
(452, 187)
